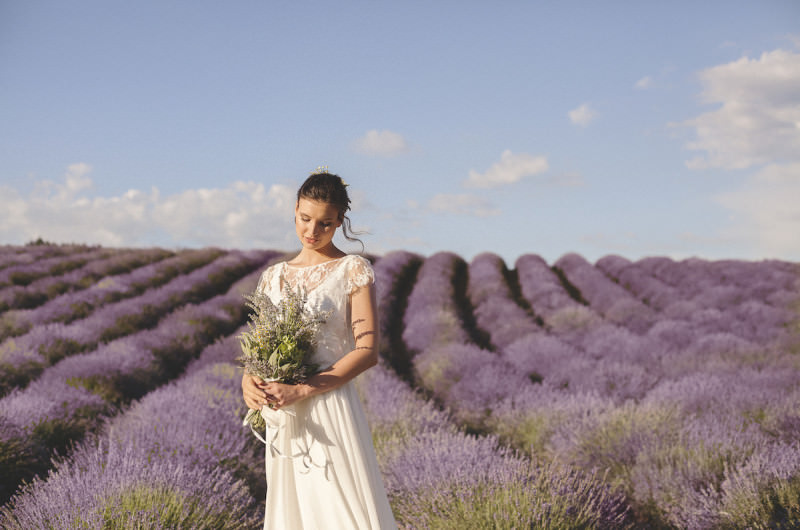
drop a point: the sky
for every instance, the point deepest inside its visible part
(629, 128)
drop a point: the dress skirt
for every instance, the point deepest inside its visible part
(322, 472)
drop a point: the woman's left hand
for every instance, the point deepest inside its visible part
(283, 395)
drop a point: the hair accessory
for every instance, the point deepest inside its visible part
(320, 170)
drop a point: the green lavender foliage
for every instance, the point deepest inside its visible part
(280, 337)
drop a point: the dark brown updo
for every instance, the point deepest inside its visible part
(330, 189)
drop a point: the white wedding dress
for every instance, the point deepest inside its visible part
(322, 472)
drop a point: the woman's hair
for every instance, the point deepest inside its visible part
(330, 189)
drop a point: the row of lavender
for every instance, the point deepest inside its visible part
(423, 453)
(177, 458)
(30, 252)
(438, 475)
(36, 284)
(163, 329)
(199, 469)
(21, 257)
(685, 387)
(125, 276)
(109, 310)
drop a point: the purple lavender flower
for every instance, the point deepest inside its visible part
(541, 287)
(763, 490)
(23, 274)
(50, 286)
(467, 378)
(676, 377)
(496, 312)
(71, 398)
(116, 483)
(431, 315)
(604, 295)
(388, 270)
(45, 345)
(613, 265)
(79, 304)
(538, 355)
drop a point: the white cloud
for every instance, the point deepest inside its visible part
(510, 169)
(241, 215)
(767, 211)
(582, 115)
(756, 126)
(381, 143)
(462, 204)
(77, 177)
(758, 120)
(644, 83)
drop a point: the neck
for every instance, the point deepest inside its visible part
(313, 257)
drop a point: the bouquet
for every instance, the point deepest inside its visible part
(278, 342)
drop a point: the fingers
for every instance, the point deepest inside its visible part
(254, 395)
(251, 381)
(251, 403)
(254, 399)
(258, 403)
(274, 400)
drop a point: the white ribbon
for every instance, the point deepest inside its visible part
(275, 424)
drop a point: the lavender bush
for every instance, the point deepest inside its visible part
(613, 362)
(47, 344)
(395, 274)
(90, 386)
(432, 316)
(543, 289)
(650, 393)
(605, 296)
(26, 254)
(24, 274)
(80, 304)
(39, 291)
(647, 288)
(496, 312)
(439, 477)
(177, 459)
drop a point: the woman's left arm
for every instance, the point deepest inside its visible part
(364, 323)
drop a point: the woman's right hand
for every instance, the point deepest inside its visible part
(253, 392)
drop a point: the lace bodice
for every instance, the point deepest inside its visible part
(328, 286)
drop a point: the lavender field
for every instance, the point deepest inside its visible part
(621, 394)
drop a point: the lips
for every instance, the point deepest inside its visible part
(311, 241)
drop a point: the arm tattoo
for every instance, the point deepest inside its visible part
(359, 321)
(360, 335)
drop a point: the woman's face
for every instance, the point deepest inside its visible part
(316, 223)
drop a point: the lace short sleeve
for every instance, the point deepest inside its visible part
(359, 274)
(263, 282)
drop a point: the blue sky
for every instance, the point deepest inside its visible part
(630, 128)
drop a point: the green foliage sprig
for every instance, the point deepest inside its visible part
(279, 340)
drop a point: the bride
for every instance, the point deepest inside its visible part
(321, 466)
